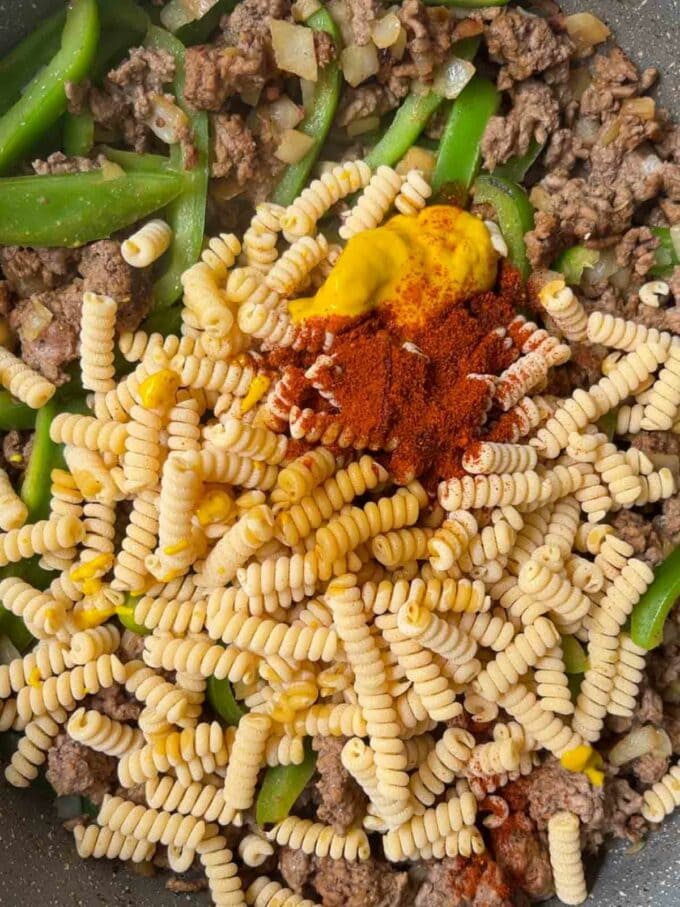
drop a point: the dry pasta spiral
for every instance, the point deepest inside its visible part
(523, 652)
(22, 382)
(221, 872)
(98, 843)
(567, 603)
(663, 797)
(407, 841)
(154, 826)
(472, 492)
(103, 734)
(296, 263)
(414, 193)
(163, 697)
(543, 725)
(320, 840)
(180, 491)
(87, 645)
(301, 216)
(97, 340)
(40, 538)
(263, 892)
(495, 758)
(13, 511)
(184, 433)
(373, 203)
(129, 570)
(171, 616)
(401, 546)
(254, 850)
(47, 659)
(552, 685)
(147, 244)
(221, 254)
(203, 801)
(488, 629)
(200, 373)
(259, 240)
(630, 666)
(245, 537)
(199, 656)
(31, 752)
(255, 442)
(42, 614)
(224, 466)
(86, 431)
(564, 842)
(303, 475)
(451, 540)
(446, 639)
(488, 457)
(205, 300)
(244, 763)
(561, 303)
(661, 409)
(624, 335)
(442, 764)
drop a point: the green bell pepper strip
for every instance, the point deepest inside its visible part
(221, 697)
(607, 423)
(126, 615)
(45, 455)
(281, 786)
(318, 120)
(15, 628)
(75, 208)
(412, 117)
(517, 167)
(460, 149)
(514, 212)
(186, 215)
(78, 134)
(19, 66)
(132, 162)
(575, 659)
(666, 256)
(650, 613)
(574, 261)
(123, 24)
(165, 321)
(198, 31)
(44, 100)
(14, 414)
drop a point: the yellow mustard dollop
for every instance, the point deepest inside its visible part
(410, 266)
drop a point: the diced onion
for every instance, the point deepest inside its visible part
(386, 31)
(179, 13)
(604, 267)
(303, 9)
(640, 741)
(341, 16)
(644, 108)
(580, 78)
(362, 125)
(294, 49)
(111, 171)
(417, 158)
(586, 30)
(359, 63)
(36, 318)
(284, 113)
(293, 147)
(398, 49)
(452, 76)
(167, 121)
(587, 128)
(540, 199)
(675, 239)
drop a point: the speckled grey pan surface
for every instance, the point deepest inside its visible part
(38, 865)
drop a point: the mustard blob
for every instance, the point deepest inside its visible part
(412, 267)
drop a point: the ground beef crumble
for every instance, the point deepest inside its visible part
(234, 148)
(76, 769)
(342, 801)
(524, 45)
(534, 115)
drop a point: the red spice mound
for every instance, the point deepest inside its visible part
(419, 392)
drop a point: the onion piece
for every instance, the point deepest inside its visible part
(293, 147)
(640, 741)
(586, 30)
(167, 121)
(181, 12)
(294, 49)
(340, 13)
(451, 77)
(36, 318)
(362, 126)
(587, 128)
(417, 158)
(644, 108)
(359, 63)
(303, 9)
(111, 171)
(604, 267)
(284, 113)
(386, 31)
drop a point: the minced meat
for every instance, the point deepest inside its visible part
(615, 77)
(552, 788)
(342, 800)
(30, 271)
(428, 35)
(478, 882)
(370, 883)
(522, 855)
(105, 271)
(59, 163)
(524, 45)
(637, 250)
(362, 16)
(16, 450)
(115, 702)
(234, 148)
(296, 867)
(76, 769)
(535, 115)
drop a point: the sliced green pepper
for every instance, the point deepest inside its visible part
(412, 117)
(15, 415)
(575, 659)
(460, 149)
(123, 24)
(666, 254)
(132, 162)
(165, 321)
(607, 423)
(126, 615)
(19, 66)
(281, 786)
(44, 100)
(78, 134)
(573, 262)
(650, 613)
(45, 455)
(514, 212)
(75, 208)
(15, 628)
(318, 120)
(221, 697)
(186, 215)
(517, 167)
(196, 31)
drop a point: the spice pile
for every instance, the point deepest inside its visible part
(422, 391)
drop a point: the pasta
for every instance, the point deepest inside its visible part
(300, 218)
(441, 765)
(47, 659)
(374, 202)
(147, 244)
(31, 751)
(320, 840)
(409, 839)
(501, 674)
(95, 842)
(564, 308)
(248, 534)
(221, 872)
(221, 254)
(70, 687)
(22, 382)
(42, 614)
(296, 263)
(413, 194)
(103, 734)
(265, 893)
(564, 842)
(259, 240)
(13, 511)
(303, 475)
(663, 797)
(244, 764)
(97, 327)
(150, 825)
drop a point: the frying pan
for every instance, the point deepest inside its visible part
(38, 862)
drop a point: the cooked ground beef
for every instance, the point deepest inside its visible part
(16, 450)
(637, 250)
(641, 533)
(524, 45)
(234, 148)
(650, 768)
(342, 801)
(362, 15)
(552, 788)
(76, 769)
(564, 151)
(611, 160)
(296, 867)
(30, 271)
(59, 163)
(534, 114)
(523, 856)
(364, 101)
(478, 882)
(57, 344)
(428, 36)
(105, 271)
(370, 883)
(115, 702)
(615, 77)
